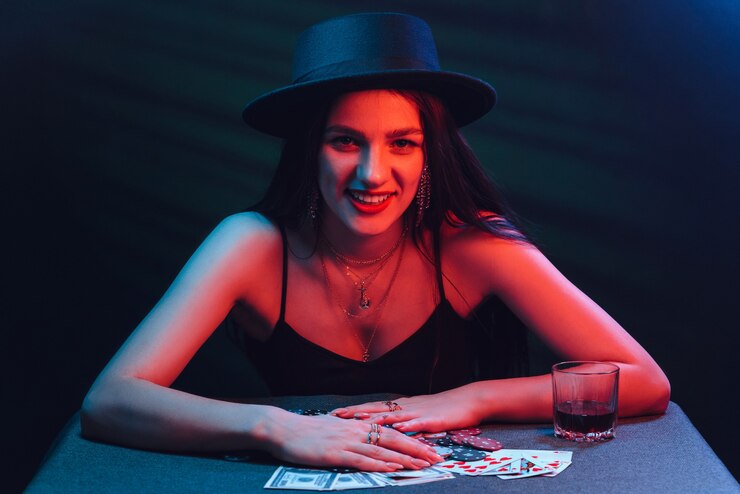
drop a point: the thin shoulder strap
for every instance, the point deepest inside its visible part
(440, 321)
(284, 289)
(438, 264)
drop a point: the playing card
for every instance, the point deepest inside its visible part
(463, 467)
(504, 464)
(559, 467)
(491, 462)
(529, 468)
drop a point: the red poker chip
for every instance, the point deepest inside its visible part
(470, 431)
(458, 439)
(428, 442)
(484, 443)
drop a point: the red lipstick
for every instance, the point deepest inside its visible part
(368, 208)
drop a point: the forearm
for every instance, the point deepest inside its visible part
(524, 399)
(529, 399)
(138, 413)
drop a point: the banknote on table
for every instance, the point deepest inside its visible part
(310, 479)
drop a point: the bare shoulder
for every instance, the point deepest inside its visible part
(486, 263)
(245, 233)
(247, 226)
(241, 248)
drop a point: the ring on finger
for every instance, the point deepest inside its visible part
(373, 437)
(392, 406)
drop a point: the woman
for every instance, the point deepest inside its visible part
(366, 267)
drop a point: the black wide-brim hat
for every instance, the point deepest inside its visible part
(365, 51)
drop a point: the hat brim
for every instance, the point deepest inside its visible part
(283, 111)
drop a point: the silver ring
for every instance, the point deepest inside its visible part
(373, 437)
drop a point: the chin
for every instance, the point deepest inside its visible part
(367, 226)
(370, 228)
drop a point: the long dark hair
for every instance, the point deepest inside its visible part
(462, 194)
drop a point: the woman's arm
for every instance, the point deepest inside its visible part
(131, 404)
(570, 323)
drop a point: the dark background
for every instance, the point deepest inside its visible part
(615, 136)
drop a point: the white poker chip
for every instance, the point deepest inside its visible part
(435, 435)
(442, 451)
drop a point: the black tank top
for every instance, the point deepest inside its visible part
(447, 351)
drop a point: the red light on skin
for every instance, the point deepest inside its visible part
(366, 208)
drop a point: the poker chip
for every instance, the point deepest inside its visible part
(443, 451)
(237, 457)
(435, 435)
(470, 431)
(484, 443)
(428, 442)
(458, 439)
(309, 411)
(445, 441)
(460, 453)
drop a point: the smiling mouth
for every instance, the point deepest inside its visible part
(369, 199)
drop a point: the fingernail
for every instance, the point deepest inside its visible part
(421, 463)
(395, 466)
(361, 415)
(437, 458)
(338, 411)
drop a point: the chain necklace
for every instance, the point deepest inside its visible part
(367, 262)
(363, 282)
(379, 311)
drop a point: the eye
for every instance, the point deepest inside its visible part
(403, 143)
(343, 142)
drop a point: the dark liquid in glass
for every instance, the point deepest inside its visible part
(584, 416)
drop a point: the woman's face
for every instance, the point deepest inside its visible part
(370, 161)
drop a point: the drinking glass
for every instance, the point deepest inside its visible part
(585, 400)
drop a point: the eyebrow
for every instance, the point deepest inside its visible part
(343, 129)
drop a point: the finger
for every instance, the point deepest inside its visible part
(372, 407)
(384, 454)
(389, 418)
(415, 424)
(400, 443)
(365, 463)
(364, 408)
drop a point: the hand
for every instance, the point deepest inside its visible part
(332, 441)
(450, 410)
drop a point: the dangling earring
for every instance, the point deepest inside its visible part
(423, 194)
(313, 204)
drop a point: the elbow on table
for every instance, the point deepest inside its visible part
(93, 422)
(655, 393)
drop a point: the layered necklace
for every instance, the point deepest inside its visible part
(362, 282)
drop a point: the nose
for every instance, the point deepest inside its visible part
(373, 169)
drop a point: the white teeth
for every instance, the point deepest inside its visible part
(369, 199)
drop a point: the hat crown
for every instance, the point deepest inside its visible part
(363, 43)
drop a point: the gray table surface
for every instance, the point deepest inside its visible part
(650, 454)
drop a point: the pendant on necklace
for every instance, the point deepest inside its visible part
(366, 356)
(364, 301)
